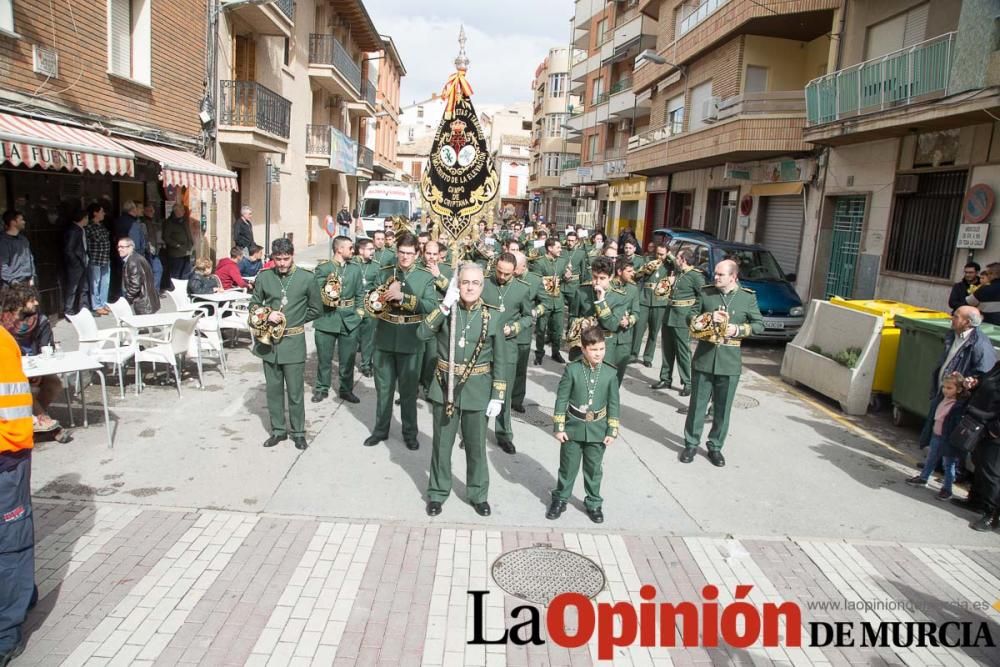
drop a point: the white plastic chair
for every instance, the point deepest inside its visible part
(209, 336)
(120, 309)
(235, 316)
(180, 286)
(109, 346)
(178, 344)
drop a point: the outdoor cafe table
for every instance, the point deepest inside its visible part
(65, 363)
(151, 321)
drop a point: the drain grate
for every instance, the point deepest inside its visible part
(741, 402)
(538, 574)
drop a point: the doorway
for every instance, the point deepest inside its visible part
(848, 223)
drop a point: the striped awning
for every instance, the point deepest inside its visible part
(35, 143)
(180, 168)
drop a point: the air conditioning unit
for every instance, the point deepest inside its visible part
(906, 184)
(625, 125)
(710, 109)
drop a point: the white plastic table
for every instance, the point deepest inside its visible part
(63, 364)
(151, 321)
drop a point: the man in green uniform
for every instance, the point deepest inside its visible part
(339, 283)
(717, 360)
(549, 328)
(383, 256)
(480, 368)
(370, 272)
(675, 335)
(576, 261)
(397, 352)
(431, 262)
(524, 337)
(585, 421)
(617, 310)
(653, 301)
(629, 250)
(286, 294)
(509, 300)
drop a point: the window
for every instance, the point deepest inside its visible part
(129, 39)
(420, 113)
(551, 164)
(557, 85)
(699, 95)
(592, 147)
(512, 186)
(893, 34)
(925, 225)
(553, 125)
(410, 134)
(756, 79)
(598, 93)
(7, 15)
(675, 115)
(288, 51)
(602, 29)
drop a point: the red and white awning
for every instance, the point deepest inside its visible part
(180, 168)
(35, 143)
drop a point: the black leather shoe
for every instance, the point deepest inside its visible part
(274, 440)
(558, 358)
(300, 442)
(596, 515)
(555, 509)
(716, 457)
(349, 397)
(482, 509)
(506, 446)
(319, 397)
(687, 455)
(966, 504)
(662, 384)
(413, 445)
(373, 440)
(633, 360)
(367, 372)
(647, 364)
(685, 391)
(538, 360)
(985, 523)
(518, 408)
(433, 508)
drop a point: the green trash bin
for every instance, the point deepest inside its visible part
(921, 343)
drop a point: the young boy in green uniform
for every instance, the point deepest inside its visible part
(585, 422)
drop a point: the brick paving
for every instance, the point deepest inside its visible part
(122, 585)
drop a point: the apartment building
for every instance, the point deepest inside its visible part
(511, 120)
(551, 149)
(607, 36)
(99, 101)
(723, 148)
(512, 163)
(296, 112)
(907, 120)
(390, 69)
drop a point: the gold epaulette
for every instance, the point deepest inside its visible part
(747, 289)
(323, 261)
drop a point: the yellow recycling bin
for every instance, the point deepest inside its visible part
(885, 366)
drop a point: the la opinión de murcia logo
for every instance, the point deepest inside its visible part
(708, 624)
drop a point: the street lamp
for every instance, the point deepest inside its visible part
(655, 58)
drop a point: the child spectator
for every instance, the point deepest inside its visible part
(202, 281)
(945, 419)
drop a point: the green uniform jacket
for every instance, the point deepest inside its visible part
(547, 267)
(480, 388)
(304, 305)
(638, 261)
(345, 317)
(647, 287)
(577, 260)
(384, 257)
(515, 300)
(534, 284)
(726, 358)
(419, 297)
(684, 297)
(574, 391)
(441, 282)
(619, 301)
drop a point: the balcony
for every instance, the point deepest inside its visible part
(318, 146)
(271, 18)
(898, 79)
(332, 67)
(366, 159)
(698, 15)
(253, 116)
(569, 164)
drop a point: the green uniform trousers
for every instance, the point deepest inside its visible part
(325, 344)
(390, 368)
(651, 321)
(571, 453)
(569, 308)
(521, 375)
(366, 343)
(503, 427)
(477, 474)
(622, 352)
(286, 380)
(721, 389)
(429, 364)
(549, 329)
(676, 346)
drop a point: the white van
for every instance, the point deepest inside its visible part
(386, 199)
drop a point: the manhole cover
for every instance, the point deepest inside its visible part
(742, 402)
(538, 574)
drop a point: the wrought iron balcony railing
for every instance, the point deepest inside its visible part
(327, 50)
(249, 104)
(317, 139)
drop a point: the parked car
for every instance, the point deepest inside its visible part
(779, 303)
(670, 232)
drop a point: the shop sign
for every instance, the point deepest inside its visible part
(972, 236)
(739, 172)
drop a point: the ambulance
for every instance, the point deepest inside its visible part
(386, 199)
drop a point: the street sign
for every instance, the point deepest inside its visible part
(978, 203)
(331, 226)
(972, 236)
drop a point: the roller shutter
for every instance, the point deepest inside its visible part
(780, 229)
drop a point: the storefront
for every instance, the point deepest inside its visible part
(627, 207)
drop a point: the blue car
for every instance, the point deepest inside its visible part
(779, 303)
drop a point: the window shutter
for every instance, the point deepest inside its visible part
(120, 37)
(916, 25)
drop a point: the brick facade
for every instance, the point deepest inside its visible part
(170, 103)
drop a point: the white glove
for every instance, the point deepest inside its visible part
(451, 296)
(494, 408)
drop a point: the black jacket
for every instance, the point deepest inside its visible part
(74, 249)
(242, 233)
(959, 291)
(137, 285)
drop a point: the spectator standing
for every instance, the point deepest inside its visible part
(987, 297)
(228, 271)
(99, 258)
(344, 220)
(251, 266)
(17, 264)
(178, 243)
(243, 230)
(154, 239)
(137, 279)
(129, 225)
(964, 287)
(985, 495)
(202, 281)
(75, 262)
(944, 420)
